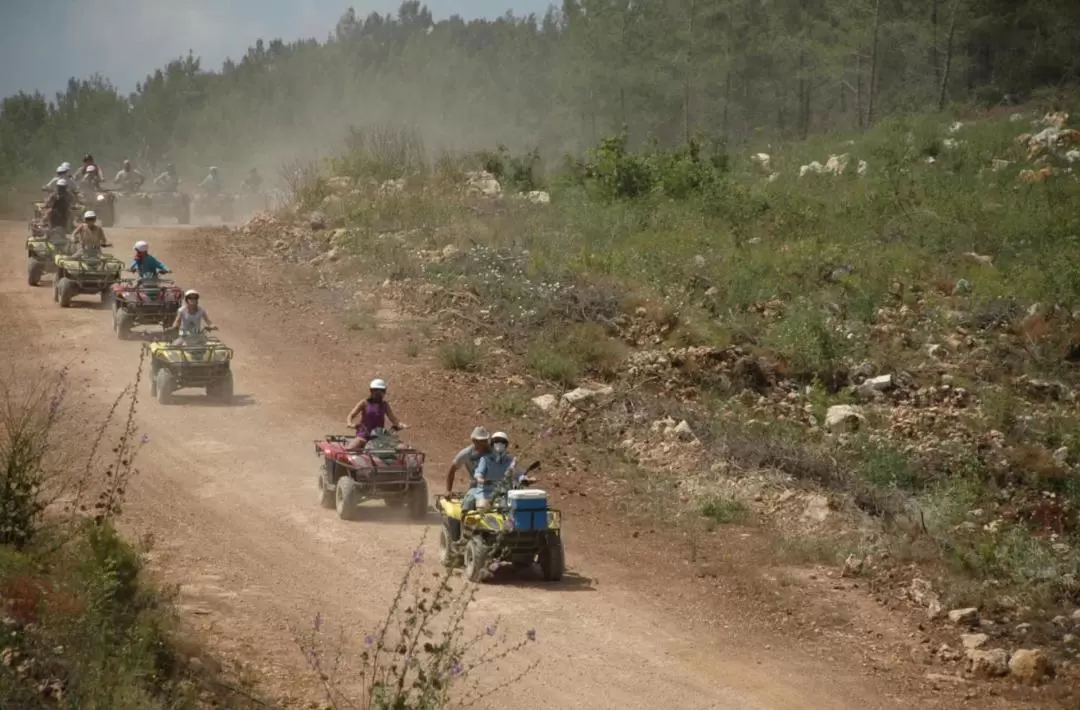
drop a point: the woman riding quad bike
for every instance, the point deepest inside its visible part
(373, 412)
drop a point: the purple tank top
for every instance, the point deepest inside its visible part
(373, 417)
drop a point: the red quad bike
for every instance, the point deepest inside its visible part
(386, 469)
(144, 302)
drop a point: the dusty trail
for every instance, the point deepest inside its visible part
(228, 495)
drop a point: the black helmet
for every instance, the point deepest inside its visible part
(88, 158)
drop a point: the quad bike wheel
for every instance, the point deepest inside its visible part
(222, 390)
(165, 383)
(447, 555)
(418, 501)
(65, 291)
(475, 560)
(552, 561)
(345, 498)
(122, 323)
(34, 271)
(327, 497)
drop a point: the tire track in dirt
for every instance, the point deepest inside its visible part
(228, 495)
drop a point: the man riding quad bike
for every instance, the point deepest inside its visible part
(213, 201)
(103, 200)
(42, 250)
(500, 520)
(165, 201)
(129, 179)
(88, 270)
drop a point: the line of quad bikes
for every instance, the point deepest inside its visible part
(516, 528)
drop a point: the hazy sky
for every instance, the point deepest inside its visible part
(44, 42)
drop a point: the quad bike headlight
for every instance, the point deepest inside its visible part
(221, 355)
(101, 198)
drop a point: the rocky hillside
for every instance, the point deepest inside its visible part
(874, 359)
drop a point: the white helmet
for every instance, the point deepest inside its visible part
(61, 183)
(60, 170)
(189, 293)
(89, 214)
(142, 246)
(64, 167)
(378, 385)
(500, 436)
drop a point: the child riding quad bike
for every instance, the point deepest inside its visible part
(199, 361)
(517, 527)
(144, 301)
(384, 468)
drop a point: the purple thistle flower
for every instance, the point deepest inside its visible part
(144, 440)
(491, 629)
(455, 670)
(417, 556)
(531, 634)
(369, 640)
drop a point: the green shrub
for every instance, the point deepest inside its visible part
(463, 357)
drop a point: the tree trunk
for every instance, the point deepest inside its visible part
(943, 87)
(935, 60)
(873, 65)
(688, 77)
(858, 91)
(724, 125)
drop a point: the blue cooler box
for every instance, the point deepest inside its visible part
(528, 509)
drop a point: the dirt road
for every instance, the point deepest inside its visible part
(228, 496)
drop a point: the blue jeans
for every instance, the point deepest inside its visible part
(468, 501)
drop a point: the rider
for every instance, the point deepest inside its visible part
(191, 318)
(87, 163)
(146, 266)
(92, 177)
(252, 182)
(492, 469)
(63, 172)
(212, 182)
(167, 181)
(58, 207)
(373, 413)
(468, 457)
(89, 236)
(129, 179)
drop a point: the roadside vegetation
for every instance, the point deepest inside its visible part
(925, 301)
(81, 625)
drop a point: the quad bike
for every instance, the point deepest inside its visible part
(85, 274)
(221, 205)
(144, 301)
(516, 527)
(147, 207)
(386, 469)
(41, 252)
(201, 361)
(105, 205)
(39, 224)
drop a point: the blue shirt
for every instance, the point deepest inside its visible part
(492, 470)
(148, 266)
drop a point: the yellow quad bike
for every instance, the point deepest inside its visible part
(41, 253)
(518, 528)
(85, 274)
(201, 361)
